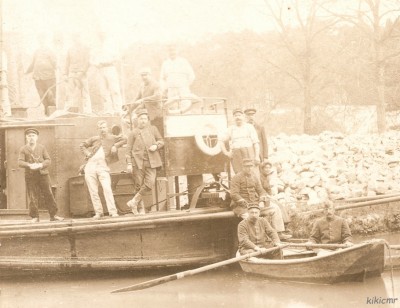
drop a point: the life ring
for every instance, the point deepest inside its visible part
(207, 130)
(187, 100)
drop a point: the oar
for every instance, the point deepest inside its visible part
(322, 246)
(157, 281)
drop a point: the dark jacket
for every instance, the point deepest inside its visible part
(246, 187)
(38, 155)
(262, 137)
(139, 141)
(43, 64)
(334, 231)
(260, 234)
(151, 96)
(94, 143)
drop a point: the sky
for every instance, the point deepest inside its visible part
(136, 20)
(130, 21)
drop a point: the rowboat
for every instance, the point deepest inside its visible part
(355, 263)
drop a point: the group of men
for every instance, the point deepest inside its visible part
(175, 79)
(256, 234)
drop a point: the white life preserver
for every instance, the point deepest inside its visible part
(207, 130)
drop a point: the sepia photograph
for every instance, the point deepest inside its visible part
(190, 154)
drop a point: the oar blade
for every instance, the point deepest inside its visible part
(147, 284)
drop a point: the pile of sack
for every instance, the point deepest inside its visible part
(334, 166)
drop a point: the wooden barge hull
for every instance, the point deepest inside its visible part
(351, 264)
(133, 243)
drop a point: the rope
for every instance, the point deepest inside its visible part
(391, 266)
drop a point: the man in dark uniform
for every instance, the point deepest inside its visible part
(330, 229)
(143, 158)
(255, 234)
(262, 136)
(35, 159)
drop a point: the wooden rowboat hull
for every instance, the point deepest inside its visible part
(161, 240)
(351, 264)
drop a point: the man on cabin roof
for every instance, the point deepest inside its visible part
(245, 189)
(255, 233)
(100, 151)
(35, 159)
(143, 158)
(262, 136)
(149, 98)
(243, 140)
(330, 229)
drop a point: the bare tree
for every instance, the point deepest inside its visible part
(300, 27)
(371, 19)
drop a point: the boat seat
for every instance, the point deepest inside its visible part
(297, 253)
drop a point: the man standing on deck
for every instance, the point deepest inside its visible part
(143, 158)
(100, 151)
(262, 136)
(243, 140)
(149, 98)
(255, 234)
(330, 229)
(176, 74)
(246, 189)
(105, 59)
(76, 67)
(35, 159)
(43, 67)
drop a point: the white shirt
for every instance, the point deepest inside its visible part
(177, 73)
(243, 136)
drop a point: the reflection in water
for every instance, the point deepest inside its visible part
(227, 287)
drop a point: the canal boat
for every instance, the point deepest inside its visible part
(355, 263)
(187, 223)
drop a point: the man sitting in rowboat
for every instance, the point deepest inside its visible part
(330, 229)
(255, 233)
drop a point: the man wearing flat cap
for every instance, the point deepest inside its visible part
(256, 234)
(149, 97)
(143, 158)
(262, 136)
(243, 141)
(35, 159)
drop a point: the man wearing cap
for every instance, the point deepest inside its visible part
(255, 234)
(262, 136)
(245, 189)
(149, 97)
(76, 67)
(100, 151)
(243, 140)
(34, 158)
(176, 74)
(330, 229)
(143, 158)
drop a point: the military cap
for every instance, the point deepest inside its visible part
(236, 110)
(253, 206)
(139, 112)
(31, 130)
(250, 111)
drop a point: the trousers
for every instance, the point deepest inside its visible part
(78, 93)
(42, 86)
(110, 90)
(144, 178)
(39, 184)
(96, 172)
